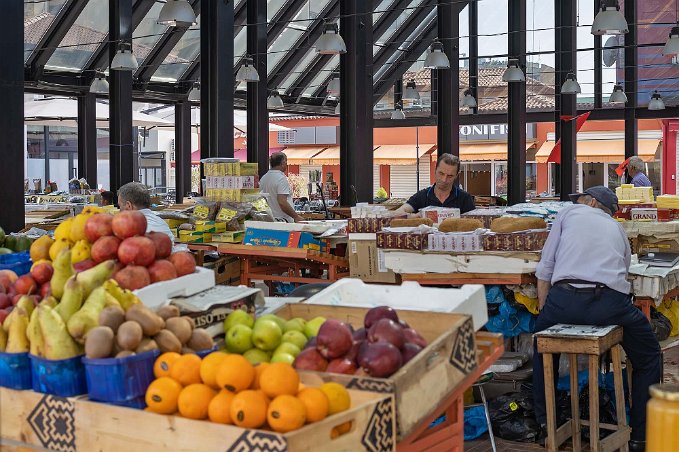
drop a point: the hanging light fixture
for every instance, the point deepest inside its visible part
(334, 85)
(468, 100)
(571, 85)
(398, 112)
(247, 72)
(194, 94)
(124, 60)
(177, 13)
(437, 58)
(672, 46)
(656, 102)
(609, 20)
(99, 84)
(337, 109)
(274, 100)
(513, 73)
(410, 92)
(618, 95)
(330, 42)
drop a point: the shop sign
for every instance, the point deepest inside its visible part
(490, 132)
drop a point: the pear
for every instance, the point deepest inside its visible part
(34, 334)
(26, 303)
(81, 251)
(125, 297)
(95, 276)
(88, 316)
(17, 341)
(49, 301)
(58, 344)
(3, 339)
(62, 271)
(72, 300)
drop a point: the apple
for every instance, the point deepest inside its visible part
(42, 272)
(239, 339)
(380, 359)
(296, 338)
(283, 358)
(45, 290)
(133, 277)
(312, 326)
(310, 359)
(409, 350)
(85, 265)
(296, 324)
(137, 251)
(266, 334)
(388, 331)
(162, 243)
(413, 336)
(5, 301)
(377, 313)
(105, 248)
(7, 278)
(128, 223)
(360, 334)
(26, 285)
(334, 339)
(238, 317)
(162, 270)
(184, 262)
(97, 226)
(256, 356)
(342, 366)
(280, 322)
(287, 347)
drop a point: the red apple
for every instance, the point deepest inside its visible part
(341, 366)
(26, 285)
(42, 272)
(334, 339)
(162, 270)
(133, 277)
(388, 331)
(162, 243)
(129, 223)
(84, 265)
(184, 262)
(45, 290)
(381, 359)
(16, 299)
(377, 313)
(105, 248)
(413, 336)
(97, 226)
(137, 251)
(5, 300)
(7, 278)
(409, 351)
(310, 359)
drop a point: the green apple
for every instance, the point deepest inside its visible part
(296, 324)
(312, 326)
(295, 337)
(239, 339)
(266, 335)
(280, 322)
(287, 347)
(256, 356)
(238, 317)
(283, 358)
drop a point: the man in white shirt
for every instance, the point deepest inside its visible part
(276, 184)
(135, 196)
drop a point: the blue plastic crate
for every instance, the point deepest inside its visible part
(116, 380)
(64, 377)
(15, 370)
(19, 263)
(204, 353)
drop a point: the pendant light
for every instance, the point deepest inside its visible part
(513, 73)
(194, 94)
(656, 102)
(437, 58)
(618, 95)
(177, 13)
(672, 46)
(274, 100)
(571, 85)
(468, 100)
(398, 112)
(609, 20)
(330, 42)
(124, 60)
(247, 72)
(99, 84)
(334, 85)
(410, 92)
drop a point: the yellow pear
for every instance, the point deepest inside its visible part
(62, 271)
(58, 246)
(17, 341)
(40, 249)
(63, 231)
(78, 227)
(3, 340)
(81, 250)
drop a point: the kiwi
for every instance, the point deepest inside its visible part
(146, 345)
(200, 340)
(191, 321)
(112, 317)
(168, 342)
(99, 342)
(125, 354)
(129, 335)
(150, 321)
(188, 351)
(169, 311)
(180, 327)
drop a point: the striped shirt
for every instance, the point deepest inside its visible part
(640, 180)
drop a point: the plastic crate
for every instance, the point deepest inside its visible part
(120, 380)
(204, 353)
(19, 263)
(64, 377)
(15, 370)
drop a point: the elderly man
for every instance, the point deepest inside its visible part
(135, 196)
(635, 169)
(276, 184)
(582, 280)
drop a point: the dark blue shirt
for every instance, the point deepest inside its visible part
(458, 198)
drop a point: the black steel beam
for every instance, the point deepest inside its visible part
(598, 66)
(258, 115)
(216, 49)
(516, 111)
(389, 17)
(121, 152)
(356, 117)
(240, 14)
(12, 138)
(49, 41)
(87, 138)
(305, 78)
(182, 150)
(474, 53)
(282, 19)
(398, 92)
(448, 112)
(631, 79)
(566, 54)
(193, 71)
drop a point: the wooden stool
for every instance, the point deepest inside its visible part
(592, 341)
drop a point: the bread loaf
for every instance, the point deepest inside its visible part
(410, 222)
(460, 225)
(515, 224)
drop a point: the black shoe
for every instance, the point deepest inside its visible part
(637, 446)
(541, 439)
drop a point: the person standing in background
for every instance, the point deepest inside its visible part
(276, 184)
(635, 169)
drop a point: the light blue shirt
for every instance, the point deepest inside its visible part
(586, 244)
(640, 180)
(156, 224)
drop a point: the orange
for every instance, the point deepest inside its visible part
(279, 379)
(186, 369)
(248, 409)
(338, 397)
(209, 366)
(235, 373)
(259, 368)
(219, 408)
(194, 401)
(286, 413)
(162, 395)
(266, 397)
(316, 403)
(163, 364)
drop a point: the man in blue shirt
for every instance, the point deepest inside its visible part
(582, 280)
(635, 169)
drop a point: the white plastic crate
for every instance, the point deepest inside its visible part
(469, 299)
(159, 294)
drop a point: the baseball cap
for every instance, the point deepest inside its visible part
(602, 194)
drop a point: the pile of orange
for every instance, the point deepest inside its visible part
(227, 389)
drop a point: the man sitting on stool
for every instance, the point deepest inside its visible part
(582, 280)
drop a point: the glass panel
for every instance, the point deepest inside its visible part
(585, 17)
(381, 6)
(493, 27)
(585, 77)
(181, 57)
(655, 19)
(148, 33)
(321, 76)
(300, 69)
(614, 180)
(464, 32)
(84, 37)
(240, 45)
(38, 16)
(391, 31)
(272, 8)
(492, 91)
(657, 73)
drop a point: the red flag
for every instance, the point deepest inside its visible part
(555, 155)
(620, 170)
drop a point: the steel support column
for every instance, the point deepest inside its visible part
(566, 45)
(474, 53)
(516, 111)
(631, 79)
(356, 117)
(182, 150)
(87, 138)
(12, 116)
(120, 94)
(448, 110)
(598, 65)
(398, 92)
(258, 115)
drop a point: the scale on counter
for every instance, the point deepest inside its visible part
(660, 259)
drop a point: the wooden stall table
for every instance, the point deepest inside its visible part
(458, 279)
(199, 250)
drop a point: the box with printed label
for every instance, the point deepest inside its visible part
(402, 241)
(366, 261)
(644, 214)
(515, 241)
(229, 237)
(194, 237)
(438, 214)
(485, 215)
(285, 239)
(458, 242)
(205, 226)
(367, 225)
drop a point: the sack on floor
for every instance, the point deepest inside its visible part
(661, 325)
(474, 422)
(513, 417)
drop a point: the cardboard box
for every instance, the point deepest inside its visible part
(644, 214)
(646, 244)
(286, 239)
(367, 225)
(227, 270)
(456, 242)
(485, 215)
(515, 241)
(402, 241)
(194, 237)
(438, 214)
(229, 237)
(366, 262)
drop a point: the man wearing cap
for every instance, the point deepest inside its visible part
(582, 280)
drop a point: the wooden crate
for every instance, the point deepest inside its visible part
(37, 421)
(421, 385)
(227, 270)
